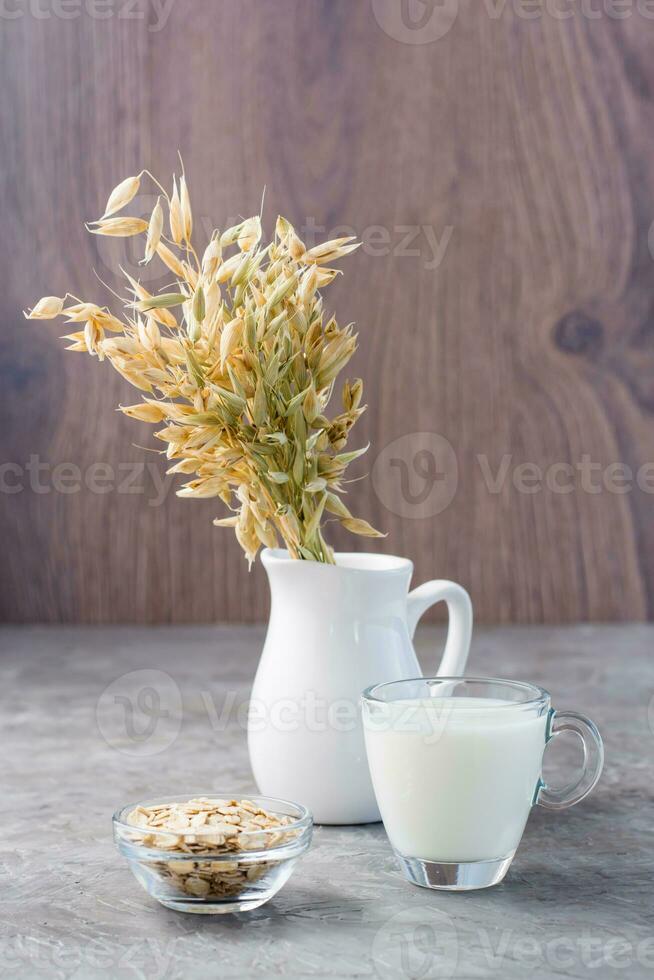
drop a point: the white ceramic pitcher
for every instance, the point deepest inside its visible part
(335, 630)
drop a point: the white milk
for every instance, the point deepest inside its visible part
(455, 777)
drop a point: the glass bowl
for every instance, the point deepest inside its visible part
(198, 870)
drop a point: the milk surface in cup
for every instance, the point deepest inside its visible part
(455, 777)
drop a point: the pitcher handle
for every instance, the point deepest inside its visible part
(459, 631)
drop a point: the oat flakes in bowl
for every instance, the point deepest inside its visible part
(213, 853)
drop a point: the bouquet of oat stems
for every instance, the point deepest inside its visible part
(238, 362)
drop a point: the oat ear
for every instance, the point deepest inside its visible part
(47, 308)
(187, 214)
(155, 228)
(175, 216)
(121, 195)
(239, 361)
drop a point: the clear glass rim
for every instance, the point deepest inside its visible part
(300, 822)
(534, 694)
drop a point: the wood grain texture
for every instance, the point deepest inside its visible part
(527, 141)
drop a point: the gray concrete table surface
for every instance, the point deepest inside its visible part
(578, 901)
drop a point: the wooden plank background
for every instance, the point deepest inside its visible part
(517, 141)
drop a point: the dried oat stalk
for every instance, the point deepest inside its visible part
(237, 361)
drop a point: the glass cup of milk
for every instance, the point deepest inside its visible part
(456, 764)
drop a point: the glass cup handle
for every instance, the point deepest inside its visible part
(591, 740)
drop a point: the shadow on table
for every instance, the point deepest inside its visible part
(325, 906)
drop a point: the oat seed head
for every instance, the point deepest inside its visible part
(240, 363)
